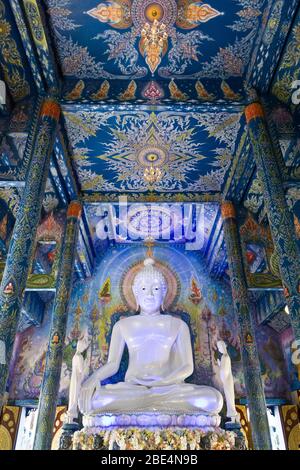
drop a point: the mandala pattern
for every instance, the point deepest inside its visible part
(119, 145)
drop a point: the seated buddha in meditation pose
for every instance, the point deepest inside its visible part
(160, 359)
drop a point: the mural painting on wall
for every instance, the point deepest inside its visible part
(287, 340)
(261, 260)
(293, 200)
(9, 199)
(46, 252)
(98, 302)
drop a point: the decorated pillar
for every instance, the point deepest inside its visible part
(39, 145)
(251, 365)
(280, 219)
(51, 379)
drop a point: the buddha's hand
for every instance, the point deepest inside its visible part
(146, 380)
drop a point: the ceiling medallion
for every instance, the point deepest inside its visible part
(153, 22)
(147, 11)
(152, 155)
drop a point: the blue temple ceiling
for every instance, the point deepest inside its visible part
(209, 52)
(112, 146)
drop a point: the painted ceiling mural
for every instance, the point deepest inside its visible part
(162, 49)
(112, 146)
(172, 223)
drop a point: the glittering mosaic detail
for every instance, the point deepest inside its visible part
(288, 70)
(51, 379)
(281, 223)
(41, 43)
(28, 46)
(251, 364)
(270, 44)
(11, 60)
(40, 145)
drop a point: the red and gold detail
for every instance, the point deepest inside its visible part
(248, 338)
(55, 338)
(74, 209)
(245, 425)
(9, 289)
(228, 210)
(291, 425)
(58, 423)
(9, 420)
(253, 111)
(286, 292)
(50, 108)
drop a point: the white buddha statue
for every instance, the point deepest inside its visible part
(228, 383)
(80, 367)
(160, 359)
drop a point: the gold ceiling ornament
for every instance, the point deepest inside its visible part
(149, 243)
(154, 40)
(152, 174)
(153, 22)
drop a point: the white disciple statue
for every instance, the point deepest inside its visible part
(227, 380)
(80, 369)
(160, 359)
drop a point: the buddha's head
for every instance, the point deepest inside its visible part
(83, 342)
(149, 288)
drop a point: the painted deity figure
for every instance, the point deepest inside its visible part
(160, 359)
(227, 380)
(111, 13)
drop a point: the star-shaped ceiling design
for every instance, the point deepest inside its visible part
(112, 146)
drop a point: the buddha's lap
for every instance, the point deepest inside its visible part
(198, 396)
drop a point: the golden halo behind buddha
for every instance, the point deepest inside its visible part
(173, 290)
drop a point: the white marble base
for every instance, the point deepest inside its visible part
(147, 419)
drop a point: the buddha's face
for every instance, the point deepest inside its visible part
(149, 295)
(221, 347)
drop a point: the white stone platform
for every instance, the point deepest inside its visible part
(152, 419)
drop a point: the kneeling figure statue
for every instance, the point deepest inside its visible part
(160, 359)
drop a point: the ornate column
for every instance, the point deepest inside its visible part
(39, 145)
(251, 365)
(280, 219)
(51, 379)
